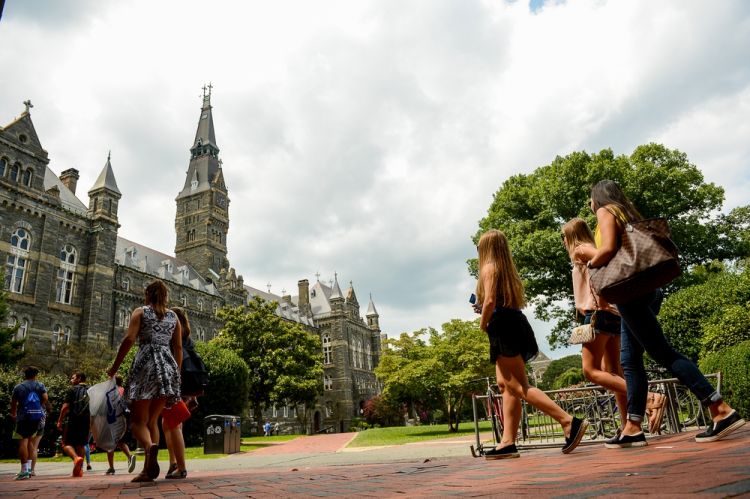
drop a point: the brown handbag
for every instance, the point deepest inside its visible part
(646, 260)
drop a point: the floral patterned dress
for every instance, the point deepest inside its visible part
(154, 373)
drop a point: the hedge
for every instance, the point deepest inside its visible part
(734, 365)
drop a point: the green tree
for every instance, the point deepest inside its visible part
(276, 352)
(440, 370)
(556, 368)
(11, 348)
(531, 208)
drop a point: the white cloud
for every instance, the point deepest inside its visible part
(367, 138)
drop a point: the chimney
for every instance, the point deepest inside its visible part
(69, 178)
(304, 295)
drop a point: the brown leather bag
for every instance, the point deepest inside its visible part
(645, 260)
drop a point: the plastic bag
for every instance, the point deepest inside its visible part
(108, 420)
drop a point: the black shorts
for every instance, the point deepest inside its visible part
(76, 432)
(26, 428)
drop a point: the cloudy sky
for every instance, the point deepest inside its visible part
(367, 138)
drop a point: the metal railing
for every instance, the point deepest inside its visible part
(682, 411)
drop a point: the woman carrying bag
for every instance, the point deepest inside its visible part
(642, 331)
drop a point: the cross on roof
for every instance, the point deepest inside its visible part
(317, 276)
(269, 287)
(28, 105)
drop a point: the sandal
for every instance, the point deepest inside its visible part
(172, 469)
(142, 477)
(152, 461)
(177, 475)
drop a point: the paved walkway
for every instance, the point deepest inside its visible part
(320, 466)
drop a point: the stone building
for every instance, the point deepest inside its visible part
(71, 279)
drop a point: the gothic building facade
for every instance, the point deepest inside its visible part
(71, 279)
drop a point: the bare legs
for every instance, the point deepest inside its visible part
(512, 372)
(176, 447)
(144, 425)
(511, 412)
(601, 365)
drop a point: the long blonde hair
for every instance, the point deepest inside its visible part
(577, 232)
(494, 250)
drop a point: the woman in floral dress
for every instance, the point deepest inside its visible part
(154, 380)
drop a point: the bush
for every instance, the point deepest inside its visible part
(727, 329)
(687, 313)
(572, 376)
(734, 365)
(227, 390)
(556, 368)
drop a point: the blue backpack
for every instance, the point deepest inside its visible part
(32, 406)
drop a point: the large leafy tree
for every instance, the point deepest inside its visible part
(438, 371)
(531, 208)
(284, 360)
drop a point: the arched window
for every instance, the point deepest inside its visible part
(15, 170)
(360, 364)
(15, 267)
(327, 382)
(66, 274)
(327, 351)
(183, 300)
(27, 174)
(201, 334)
(368, 356)
(126, 284)
(200, 304)
(3, 166)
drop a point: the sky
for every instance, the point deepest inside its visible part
(366, 138)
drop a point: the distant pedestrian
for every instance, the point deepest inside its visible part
(27, 408)
(154, 378)
(512, 343)
(76, 433)
(267, 429)
(122, 444)
(276, 427)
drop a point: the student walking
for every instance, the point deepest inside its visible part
(512, 343)
(27, 404)
(642, 331)
(600, 358)
(173, 435)
(155, 374)
(122, 444)
(76, 433)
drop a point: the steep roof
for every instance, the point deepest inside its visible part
(284, 309)
(67, 198)
(169, 268)
(106, 179)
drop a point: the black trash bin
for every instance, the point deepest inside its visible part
(222, 434)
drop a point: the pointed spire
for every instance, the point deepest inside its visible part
(336, 291)
(205, 137)
(351, 297)
(106, 178)
(371, 310)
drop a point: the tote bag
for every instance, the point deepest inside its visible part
(646, 260)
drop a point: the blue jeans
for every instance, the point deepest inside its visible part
(641, 331)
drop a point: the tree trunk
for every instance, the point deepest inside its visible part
(258, 415)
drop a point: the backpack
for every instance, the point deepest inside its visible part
(80, 404)
(194, 375)
(32, 406)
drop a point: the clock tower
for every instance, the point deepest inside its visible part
(202, 219)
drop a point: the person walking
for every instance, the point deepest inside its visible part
(122, 444)
(27, 403)
(77, 427)
(154, 380)
(600, 358)
(642, 331)
(173, 435)
(512, 343)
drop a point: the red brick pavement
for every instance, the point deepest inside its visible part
(671, 466)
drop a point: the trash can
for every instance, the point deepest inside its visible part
(222, 434)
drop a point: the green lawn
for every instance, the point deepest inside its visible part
(406, 434)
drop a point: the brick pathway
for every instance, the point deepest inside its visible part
(671, 466)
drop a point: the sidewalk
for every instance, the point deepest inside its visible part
(318, 466)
